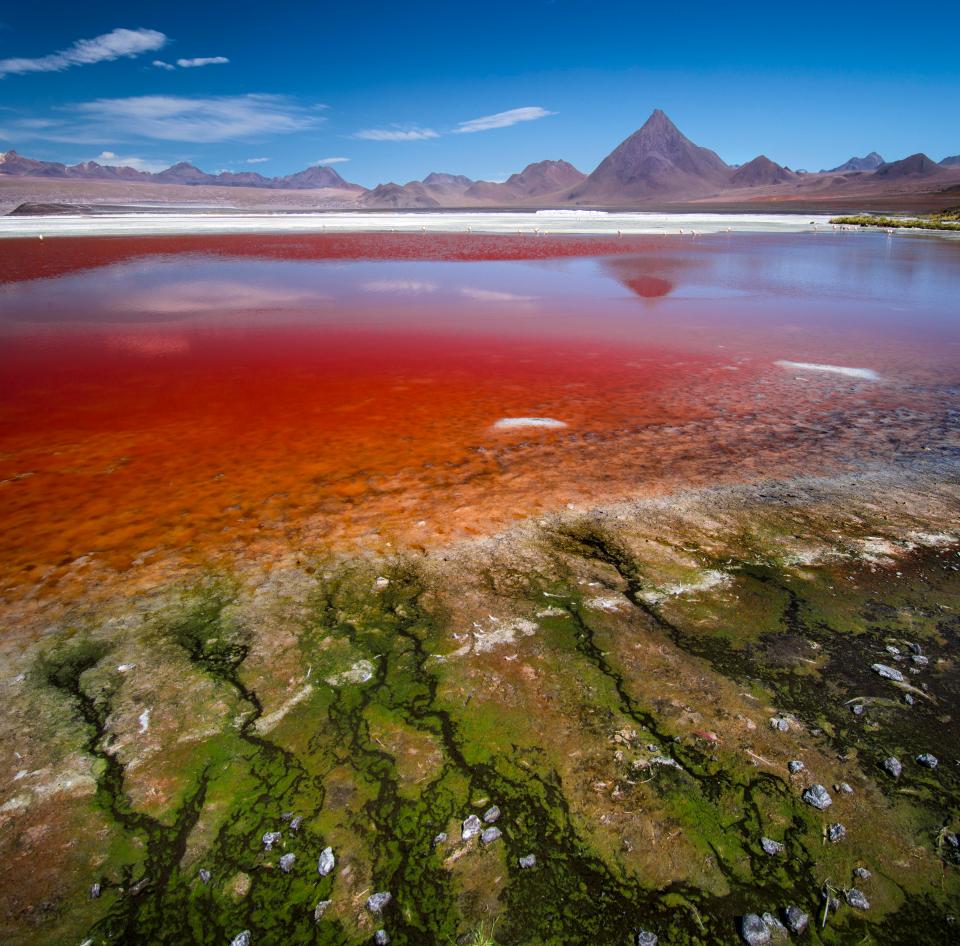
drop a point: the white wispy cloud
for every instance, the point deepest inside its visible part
(116, 44)
(112, 159)
(502, 119)
(396, 134)
(202, 61)
(256, 160)
(160, 64)
(181, 118)
(324, 161)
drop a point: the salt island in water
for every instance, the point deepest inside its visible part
(419, 585)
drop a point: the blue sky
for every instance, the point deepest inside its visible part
(397, 89)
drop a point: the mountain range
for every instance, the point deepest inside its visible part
(657, 163)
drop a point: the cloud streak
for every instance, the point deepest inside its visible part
(324, 161)
(202, 61)
(181, 118)
(111, 159)
(502, 119)
(396, 134)
(117, 44)
(514, 116)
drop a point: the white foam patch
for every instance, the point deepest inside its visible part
(706, 581)
(493, 295)
(513, 423)
(865, 374)
(360, 672)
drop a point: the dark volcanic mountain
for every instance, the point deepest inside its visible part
(184, 173)
(917, 165)
(435, 179)
(868, 163)
(314, 177)
(396, 196)
(952, 162)
(655, 161)
(761, 170)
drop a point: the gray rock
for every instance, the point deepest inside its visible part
(646, 938)
(492, 815)
(893, 766)
(94, 891)
(894, 651)
(951, 839)
(528, 861)
(928, 759)
(490, 835)
(376, 903)
(241, 939)
(286, 862)
(778, 931)
(471, 828)
(797, 920)
(914, 648)
(845, 788)
(857, 709)
(795, 765)
(286, 816)
(908, 699)
(381, 938)
(320, 909)
(919, 660)
(271, 838)
(754, 931)
(862, 873)
(770, 846)
(327, 862)
(856, 899)
(204, 875)
(780, 723)
(818, 797)
(888, 673)
(295, 823)
(441, 838)
(836, 833)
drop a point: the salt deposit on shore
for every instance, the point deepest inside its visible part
(534, 224)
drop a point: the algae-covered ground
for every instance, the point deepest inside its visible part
(627, 685)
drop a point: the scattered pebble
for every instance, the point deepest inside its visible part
(241, 939)
(270, 838)
(491, 815)
(836, 833)
(797, 920)
(818, 797)
(795, 765)
(327, 862)
(770, 846)
(928, 759)
(441, 838)
(646, 938)
(381, 938)
(286, 862)
(295, 823)
(856, 899)
(862, 873)
(919, 660)
(320, 909)
(857, 709)
(378, 901)
(490, 835)
(471, 828)
(888, 673)
(780, 723)
(528, 861)
(893, 766)
(95, 891)
(846, 788)
(908, 699)
(204, 875)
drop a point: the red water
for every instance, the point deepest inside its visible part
(291, 401)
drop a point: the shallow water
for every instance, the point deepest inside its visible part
(191, 396)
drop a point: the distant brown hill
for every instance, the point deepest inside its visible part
(655, 161)
(869, 162)
(761, 170)
(311, 178)
(917, 165)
